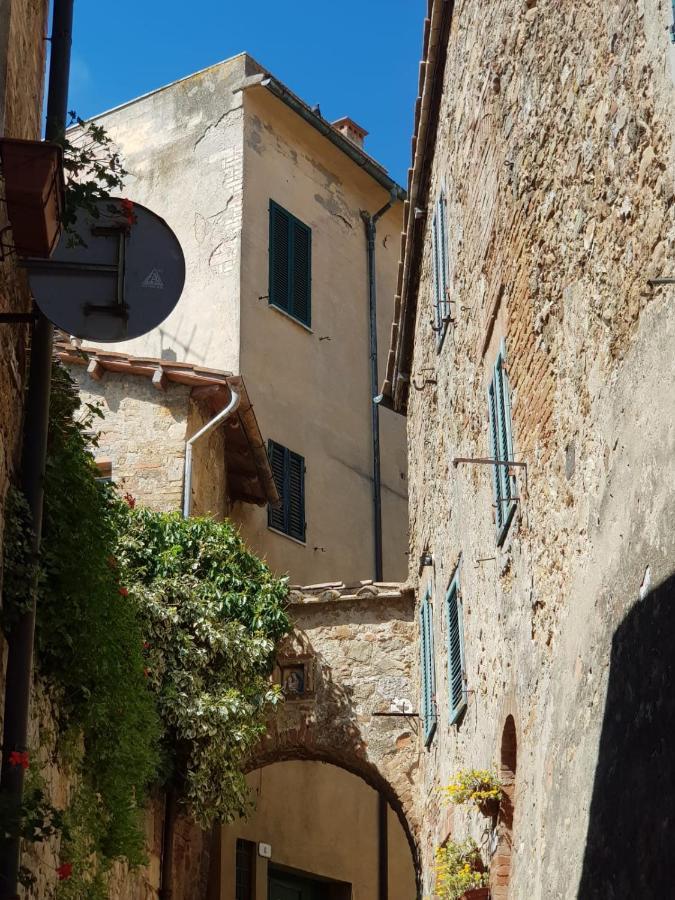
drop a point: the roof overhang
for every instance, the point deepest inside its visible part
(432, 67)
(250, 477)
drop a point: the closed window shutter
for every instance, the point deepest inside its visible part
(301, 271)
(276, 517)
(456, 683)
(444, 306)
(494, 453)
(501, 447)
(427, 669)
(435, 274)
(279, 286)
(296, 496)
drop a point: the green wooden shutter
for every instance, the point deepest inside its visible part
(444, 306)
(427, 669)
(501, 446)
(436, 275)
(279, 262)
(296, 496)
(301, 271)
(456, 666)
(277, 516)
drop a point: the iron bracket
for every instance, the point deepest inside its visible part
(653, 282)
(487, 461)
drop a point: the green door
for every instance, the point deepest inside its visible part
(290, 887)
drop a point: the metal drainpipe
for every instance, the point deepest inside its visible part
(34, 454)
(231, 407)
(370, 223)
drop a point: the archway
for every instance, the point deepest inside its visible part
(501, 863)
(321, 823)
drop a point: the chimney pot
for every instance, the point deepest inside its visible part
(349, 129)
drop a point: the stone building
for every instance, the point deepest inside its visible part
(533, 326)
(268, 201)
(22, 60)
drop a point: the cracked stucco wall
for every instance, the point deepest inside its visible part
(183, 148)
(311, 387)
(555, 146)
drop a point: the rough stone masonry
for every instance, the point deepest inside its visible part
(554, 151)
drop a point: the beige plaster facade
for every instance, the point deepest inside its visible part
(208, 153)
(549, 127)
(334, 837)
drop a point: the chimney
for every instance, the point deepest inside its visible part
(349, 129)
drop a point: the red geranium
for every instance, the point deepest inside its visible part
(130, 500)
(65, 870)
(123, 592)
(17, 758)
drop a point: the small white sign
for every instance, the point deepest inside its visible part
(153, 280)
(265, 850)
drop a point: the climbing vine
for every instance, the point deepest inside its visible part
(154, 638)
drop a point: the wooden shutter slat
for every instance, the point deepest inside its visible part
(279, 262)
(301, 276)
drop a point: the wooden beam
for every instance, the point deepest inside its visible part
(159, 379)
(95, 370)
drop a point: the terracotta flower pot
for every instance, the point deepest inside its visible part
(34, 191)
(477, 894)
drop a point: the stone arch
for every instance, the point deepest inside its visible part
(502, 860)
(287, 751)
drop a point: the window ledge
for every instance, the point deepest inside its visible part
(289, 537)
(290, 316)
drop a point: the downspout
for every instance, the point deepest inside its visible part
(33, 461)
(165, 889)
(210, 425)
(370, 223)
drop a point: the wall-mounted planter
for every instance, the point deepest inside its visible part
(477, 894)
(34, 191)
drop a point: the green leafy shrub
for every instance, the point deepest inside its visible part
(212, 613)
(459, 868)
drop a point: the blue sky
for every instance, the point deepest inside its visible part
(353, 57)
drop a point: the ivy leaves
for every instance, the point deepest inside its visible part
(212, 612)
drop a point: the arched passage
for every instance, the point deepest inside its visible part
(501, 863)
(324, 825)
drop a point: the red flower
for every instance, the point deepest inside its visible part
(130, 500)
(123, 592)
(146, 645)
(65, 870)
(16, 758)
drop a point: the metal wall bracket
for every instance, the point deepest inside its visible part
(487, 461)
(653, 282)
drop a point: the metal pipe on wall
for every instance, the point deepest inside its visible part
(34, 454)
(370, 223)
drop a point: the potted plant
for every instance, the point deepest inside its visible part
(481, 787)
(34, 193)
(460, 873)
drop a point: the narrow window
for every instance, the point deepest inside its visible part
(439, 254)
(288, 469)
(290, 264)
(456, 666)
(501, 446)
(244, 870)
(427, 668)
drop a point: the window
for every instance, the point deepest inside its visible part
(288, 469)
(439, 254)
(501, 446)
(456, 667)
(290, 264)
(244, 878)
(427, 668)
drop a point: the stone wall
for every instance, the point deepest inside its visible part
(555, 148)
(143, 434)
(22, 49)
(356, 645)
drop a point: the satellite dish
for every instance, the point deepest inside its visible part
(113, 277)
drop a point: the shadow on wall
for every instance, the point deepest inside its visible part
(629, 846)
